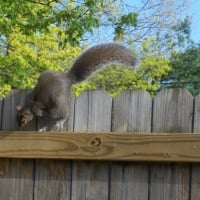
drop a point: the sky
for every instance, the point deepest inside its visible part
(194, 11)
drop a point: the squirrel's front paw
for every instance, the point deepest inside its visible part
(43, 129)
(58, 126)
(38, 112)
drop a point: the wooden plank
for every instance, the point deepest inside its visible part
(131, 112)
(53, 177)
(90, 180)
(169, 181)
(52, 180)
(195, 179)
(101, 146)
(172, 112)
(197, 115)
(16, 176)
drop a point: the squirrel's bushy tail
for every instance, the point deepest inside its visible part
(98, 56)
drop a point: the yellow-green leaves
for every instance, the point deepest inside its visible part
(26, 56)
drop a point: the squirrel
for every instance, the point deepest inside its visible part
(51, 94)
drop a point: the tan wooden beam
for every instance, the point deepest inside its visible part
(101, 146)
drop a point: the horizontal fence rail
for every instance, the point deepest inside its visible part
(101, 146)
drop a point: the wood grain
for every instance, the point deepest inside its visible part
(131, 113)
(1, 113)
(101, 146)
(172, 112)
(53, 177)
(195, 172)
(16, 175)
(90, 180)
(197, 115)
(142, 133)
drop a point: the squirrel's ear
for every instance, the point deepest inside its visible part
(18, 107)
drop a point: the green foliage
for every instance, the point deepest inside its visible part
(185, 70)
(25, 57)
(33, 16)
(184, 59)
(74, 17)
(123, 22)
(33, 34)
(147, 76)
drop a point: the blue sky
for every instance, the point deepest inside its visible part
(194, 11)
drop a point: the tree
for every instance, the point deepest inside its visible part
(28, 56)
(76, 18)
(154, 18)
(185, 70)
(152, 67)
(184, 59)
(23, 22)
(34, 32)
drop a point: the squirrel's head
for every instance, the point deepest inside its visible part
(24, 115)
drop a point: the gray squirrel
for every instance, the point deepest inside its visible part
(50, 95)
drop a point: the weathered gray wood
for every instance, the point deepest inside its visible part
(53, 177)
(93, 111)
(169, 181)
(1, 113)
(197, 115)
(172, 112)
(16, 97)
(16, 176)
(52, 180)
(131, 112)
(69, 125)
(16, 179)
(90, 180)
(195, 180)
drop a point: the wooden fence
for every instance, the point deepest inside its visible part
(171, 111)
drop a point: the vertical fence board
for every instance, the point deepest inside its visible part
(52, 180)
(90, 180)
(1, 112)
(53, 177)
(195, 180)
(16, 176)
(131, 112)
(197, 114)
(172, 112)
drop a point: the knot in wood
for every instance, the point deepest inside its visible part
(96, 142)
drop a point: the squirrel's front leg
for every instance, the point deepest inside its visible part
(36, 109)
(57, 125)
(59, 116)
